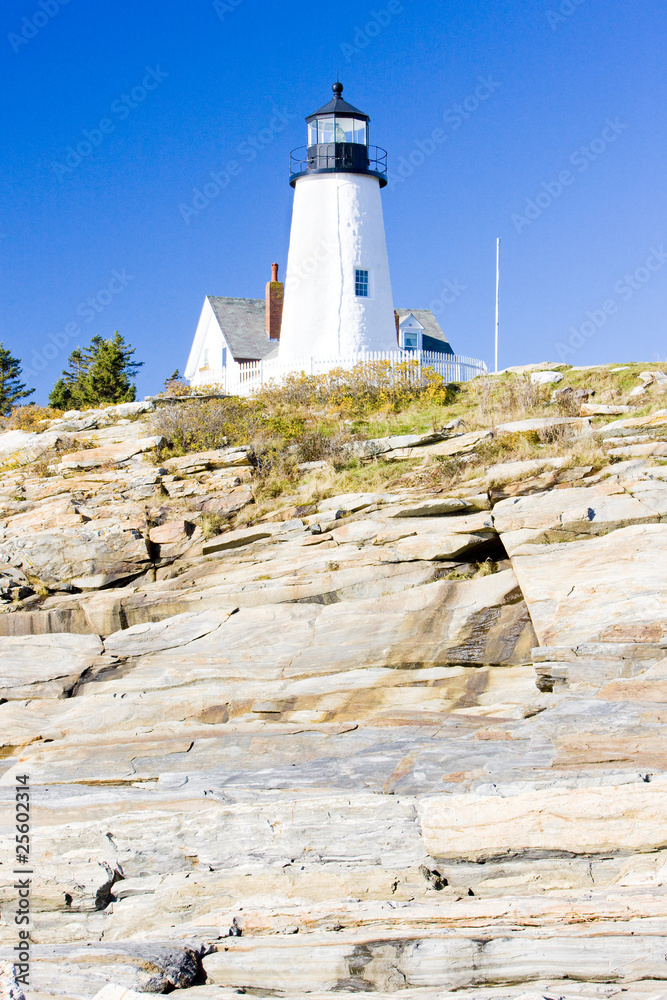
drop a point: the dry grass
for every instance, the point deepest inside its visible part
(506, 398)
(212, 524)
(473, 570)
(38, 467)
(29, 418)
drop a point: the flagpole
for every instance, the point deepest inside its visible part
(497, 293)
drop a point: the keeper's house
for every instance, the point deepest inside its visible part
(232, 332)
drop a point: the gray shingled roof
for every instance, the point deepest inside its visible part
(243, 323)
(428, 321)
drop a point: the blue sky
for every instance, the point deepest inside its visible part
(557, 146)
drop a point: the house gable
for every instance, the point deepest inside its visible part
(208, 346)
(423, 323)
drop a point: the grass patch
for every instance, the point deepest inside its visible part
(29, 418)
(213, 524)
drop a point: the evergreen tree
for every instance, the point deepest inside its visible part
(11, 387)
(60, 397)
(175, 377)
(67, 393)
(109, 370)
(100, 373)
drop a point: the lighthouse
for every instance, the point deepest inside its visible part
(338, 300)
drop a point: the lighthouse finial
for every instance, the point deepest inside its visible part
(337, 88)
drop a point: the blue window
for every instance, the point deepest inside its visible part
(224, 357)
(361, 283)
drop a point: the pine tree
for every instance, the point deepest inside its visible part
(60, 397)
(11, 387)
(67, 393)
(109, 368)
(174, 377)
(100, 373)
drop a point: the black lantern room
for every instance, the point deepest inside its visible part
(338, 143)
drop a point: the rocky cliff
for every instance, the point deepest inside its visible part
(403, 740)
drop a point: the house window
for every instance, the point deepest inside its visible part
(224, 357)
(204, 359)
(410, 340)
(361, 283)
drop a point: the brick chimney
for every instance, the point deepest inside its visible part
(275, 291)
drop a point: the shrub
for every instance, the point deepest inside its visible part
(369, 385)
(30, 417)
(202, 425)
(316, 446)
(176, 386)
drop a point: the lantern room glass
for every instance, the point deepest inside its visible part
(325, 130)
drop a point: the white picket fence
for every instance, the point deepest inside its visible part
(243, 378)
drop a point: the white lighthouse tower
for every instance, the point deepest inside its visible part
(338, 299)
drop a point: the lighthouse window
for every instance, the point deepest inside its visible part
(325, 130)
(337, 130)
(350, 130)
(361, 283)
(354, 130)
(345, 130)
